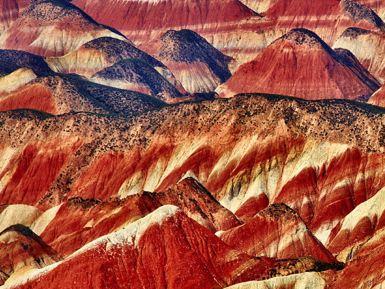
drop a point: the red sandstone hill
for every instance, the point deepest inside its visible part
(199, 204)
(154, 252)
(52, 28)
(314, 150)
(276, 232)
(104, 52)
(21, 249)
(302, 65)
(63, 94)
(368, 46)
(195, 62)
(90, 156)
(137, 75)
(328, 18)
(128, 17)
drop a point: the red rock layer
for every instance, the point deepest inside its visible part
(10, 10)
(64, 94)
(154, 253)
(25, 184)
(368, 47)
(300, 64)
(33, 96)
(52, 28)
(251, 207)
(276, 232)
(366, 270)
(80, 221)
(21, 248)
(313, 151)
(199, 204)
(327, 18)
(128, 17)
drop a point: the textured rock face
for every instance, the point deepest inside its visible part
(184, 13)
(368, 47)
(52, 28)
(196, 63)
(121, 166)
(64, 94)
(21, 248)
(327, 18)
(295, 64)
(98, 54)
(276, 232)
(299, 281)
(137, 75)
(86, 167)
(173, 236)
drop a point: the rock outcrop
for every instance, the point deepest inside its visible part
(195, 62)
(52, 28)
(301, 64)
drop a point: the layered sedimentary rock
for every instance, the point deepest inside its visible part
(199, 204)
(327, 18)
(103, 52)
(313, 151)
(196, 63)
(276, 232)
(138, 75)
(301, 64)
(63, 94)
(21, 249)
(52, 28)
(368, 47)
(127, 257)
(228, 25)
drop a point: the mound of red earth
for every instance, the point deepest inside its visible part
(196, 63)
(368, 46)
(21, 249)
(199, 204)
(101, 53)
(88, 219)
(138, 75)
(301, 64)
(52, 28)
(328, 18)
(129, 17)
(64, 94)
(154, 252)
(227, 24)
(276, 232)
